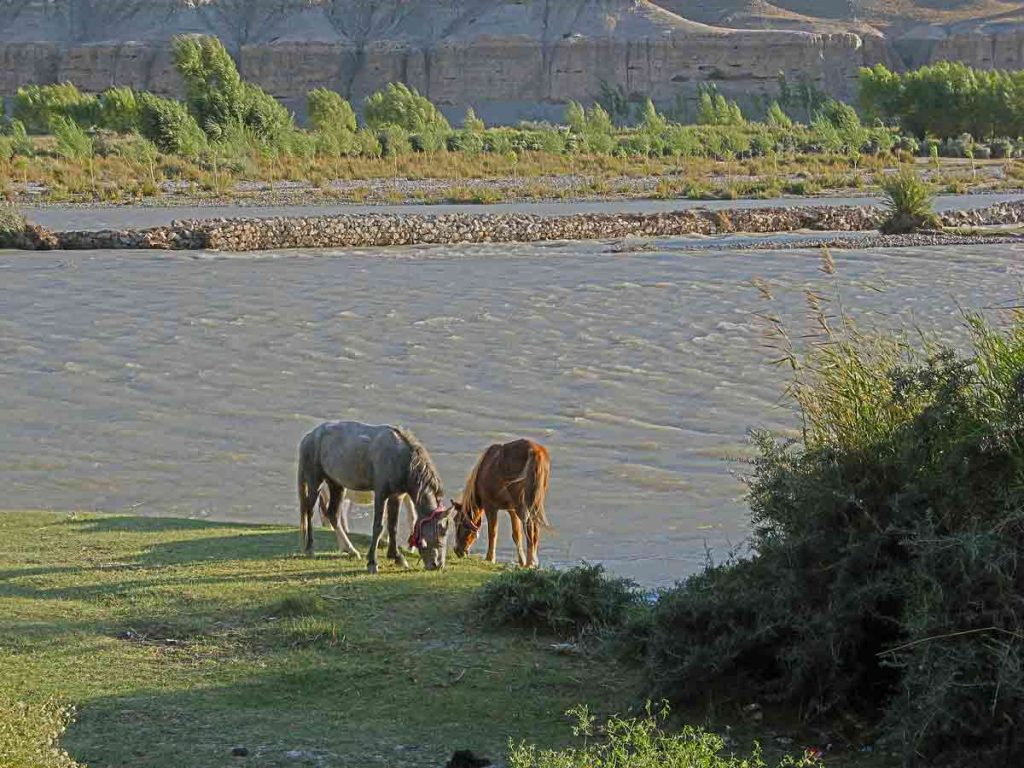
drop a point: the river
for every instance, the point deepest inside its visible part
(180, 384)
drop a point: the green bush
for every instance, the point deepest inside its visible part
(119, 110)
(472, 123)
(402, 106)
(12, 224)
(73, 143)
(21, 144)
(170, 126)
(909, 203)
(329, 112)
(219, 99)
(567, 603)
(30, 735)
(886, 576)
(639, 742)
(37, 105)
(394, 141)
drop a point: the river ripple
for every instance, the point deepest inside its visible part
(177, 384)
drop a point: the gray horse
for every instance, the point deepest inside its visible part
(387, 460)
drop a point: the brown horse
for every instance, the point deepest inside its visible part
(513, 476)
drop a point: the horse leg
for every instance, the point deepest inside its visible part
(517, 536)
(309, 491)
(379, 500)
(535, 540)
(344, 543)
(492, 535)
(410, 514)
(530, 530)
(346, 505)
(394, 551)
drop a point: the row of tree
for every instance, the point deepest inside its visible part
(221, 110)
(945, 100)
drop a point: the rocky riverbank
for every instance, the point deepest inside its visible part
(382, 230)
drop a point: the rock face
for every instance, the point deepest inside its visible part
(508, 58)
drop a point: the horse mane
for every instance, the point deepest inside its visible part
(470, 498)
(423, 474)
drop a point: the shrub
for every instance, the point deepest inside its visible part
(909, 203)
(1001, 148)
(639, 742)
(886, 576)
(402, 106)
(12, 224)
(394, 141)
(218, 98)
(168, 124)
(469, 143)
(567, 603)
(119, 110)
(73, 143)
(30, 735)
(37, 105)
(329, 112)
(367, 144)
(473, 124)
(21, 144)
(777, 117)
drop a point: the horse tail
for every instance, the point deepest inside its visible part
(537, 473)
(309, 475)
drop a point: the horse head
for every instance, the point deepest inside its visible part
(430, 532)
(467, 527)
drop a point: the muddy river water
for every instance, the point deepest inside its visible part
(179, 384)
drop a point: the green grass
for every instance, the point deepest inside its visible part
(177, 640)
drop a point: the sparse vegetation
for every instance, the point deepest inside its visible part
(580, 600)
(30, 734)
(640, 742)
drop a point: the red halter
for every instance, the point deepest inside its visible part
(417, 528)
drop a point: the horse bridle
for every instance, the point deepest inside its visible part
(417, 527)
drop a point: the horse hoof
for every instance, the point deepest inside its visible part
(401, 562)
(354, 553)
(371, 568)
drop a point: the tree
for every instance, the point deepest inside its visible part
(329, 112)
(220, 100)
(651, 122)
(403, 107)
(472, 123)
(575, 117)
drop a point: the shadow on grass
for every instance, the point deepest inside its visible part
(247, 542)
(314, 709)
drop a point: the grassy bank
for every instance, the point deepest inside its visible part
(178, 640)
(120, 176)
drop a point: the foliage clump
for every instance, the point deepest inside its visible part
(909, 204)
(36, 106)
(886, 575)
(12, 225)
(567, 603)
(222, 103)
(401, 106)
(168, 124)
(30, 734)
(639, 742)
